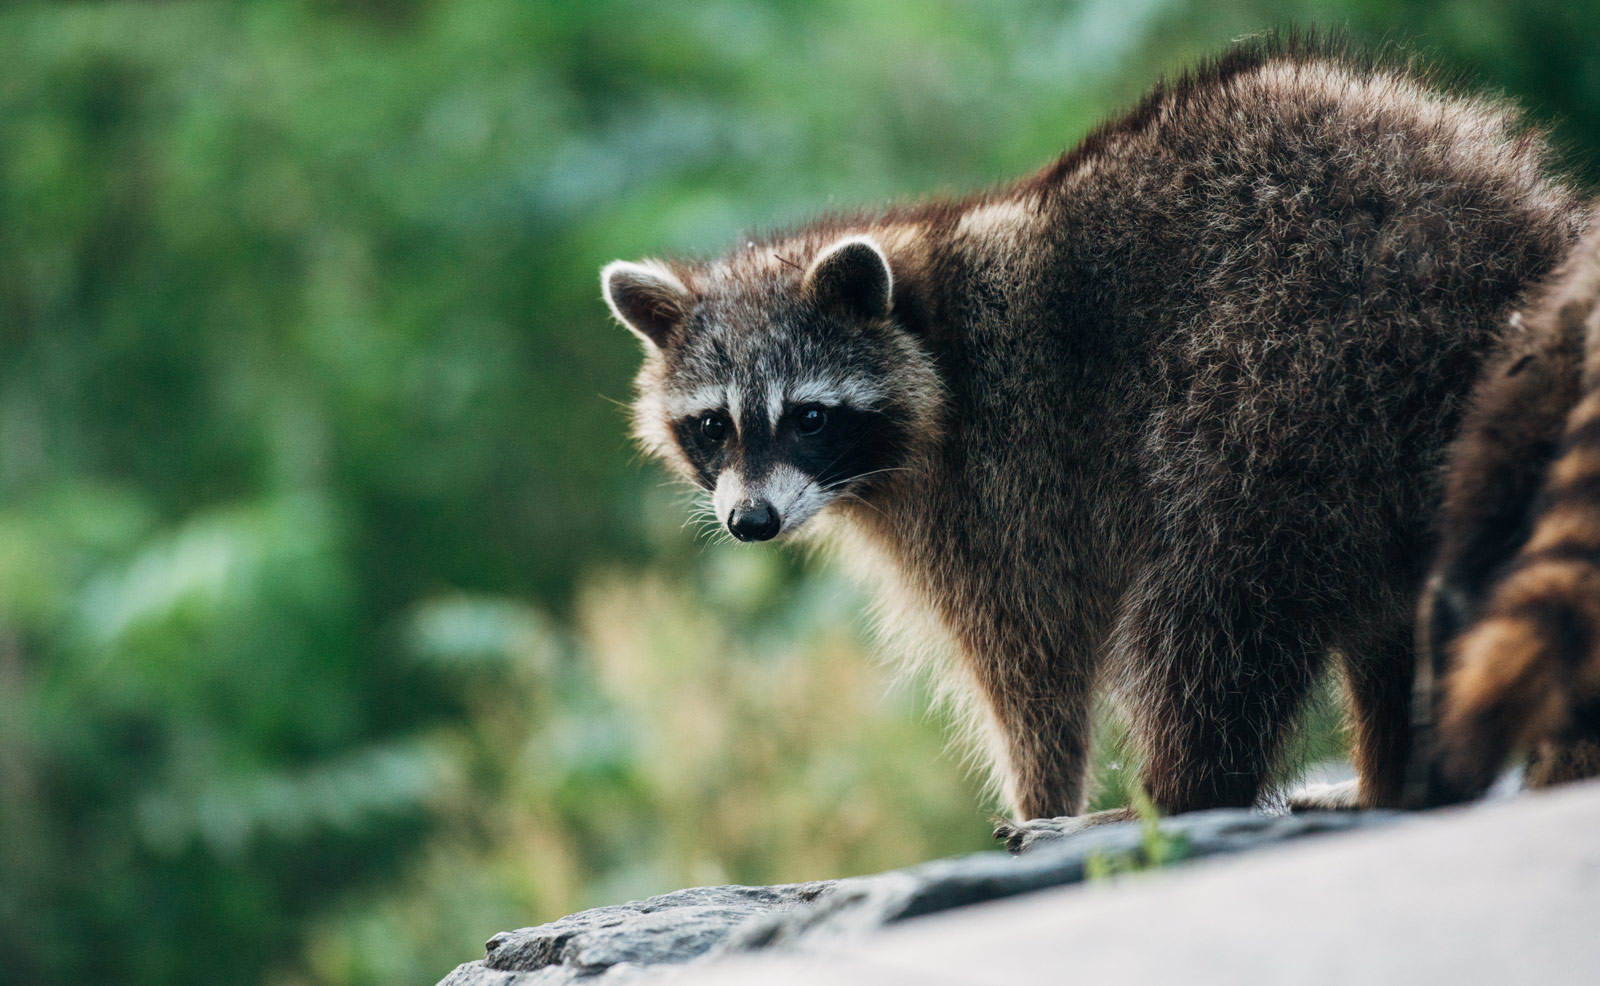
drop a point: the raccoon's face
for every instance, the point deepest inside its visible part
(779, 388)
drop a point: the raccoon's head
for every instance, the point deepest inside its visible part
(778, 378)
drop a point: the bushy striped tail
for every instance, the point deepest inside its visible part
(1525, 674)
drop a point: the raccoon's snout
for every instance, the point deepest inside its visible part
(754, 521)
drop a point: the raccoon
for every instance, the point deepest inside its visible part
(1164, 420)
(1513, 605)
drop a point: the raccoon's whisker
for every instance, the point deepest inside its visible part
(709, 534)
(830, 487)
(842, 453)
(705, 518)
(684, 486)
(863, 501)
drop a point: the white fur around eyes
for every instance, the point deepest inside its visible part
(698, 402)
(848, 391)
(778, 397)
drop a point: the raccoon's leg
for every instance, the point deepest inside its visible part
(1214, 679)
(1040, 727)
(1378, 681)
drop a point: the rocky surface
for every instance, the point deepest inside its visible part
(638, 941)
(1484, 896)
(609, 944)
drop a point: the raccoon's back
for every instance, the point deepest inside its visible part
(1306, 259)
(1282, 187)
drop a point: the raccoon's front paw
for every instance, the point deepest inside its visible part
(1020, 837)
(1340, 796)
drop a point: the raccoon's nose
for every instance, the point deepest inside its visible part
(754, 521)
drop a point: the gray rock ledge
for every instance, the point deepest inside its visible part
(633, 942)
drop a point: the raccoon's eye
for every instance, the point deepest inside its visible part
(810, 420)
(714, 426)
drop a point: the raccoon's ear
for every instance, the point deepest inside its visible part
(646, 298)
(855, 273)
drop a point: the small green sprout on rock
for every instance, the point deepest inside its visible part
(1156, 848)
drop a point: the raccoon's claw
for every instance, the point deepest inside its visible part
(1014, 835)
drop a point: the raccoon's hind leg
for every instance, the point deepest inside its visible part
(1214, 680)
(1378, 681)
(1378, 677)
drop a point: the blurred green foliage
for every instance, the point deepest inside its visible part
(338, 629)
